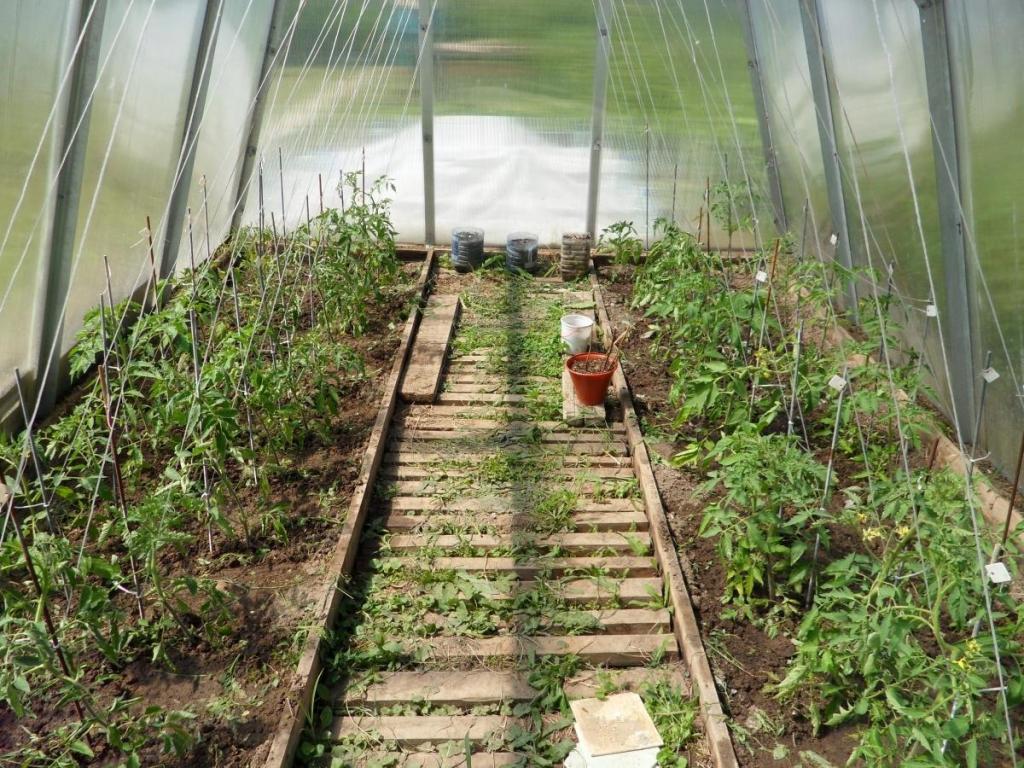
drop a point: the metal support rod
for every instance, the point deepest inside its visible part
(426, 39)
(822, 88)
(761, 107)
(60, 239)
(275, 38)
(601, 59)
(957, 308)
(194, 110)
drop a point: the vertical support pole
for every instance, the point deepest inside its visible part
(601, 58)
(426, 8)
(194, 110)
(957, 309)
(822, 88)
(58, 253)
(761, 106)
(275, 38)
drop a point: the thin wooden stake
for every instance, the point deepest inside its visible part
(280, 173)
(119, 480)
(152, 266)
(44, 603)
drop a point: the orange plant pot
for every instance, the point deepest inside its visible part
(590, 387)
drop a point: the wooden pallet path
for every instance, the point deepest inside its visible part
(503, 539)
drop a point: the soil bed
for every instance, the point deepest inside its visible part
(234, 686)
(746, 661)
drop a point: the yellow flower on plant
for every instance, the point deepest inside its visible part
(972, 648)
(963, 663)
(862, 517)
(870, 534)
(903, 530)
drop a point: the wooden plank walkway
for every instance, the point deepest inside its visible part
(507, 545)
(422, 379)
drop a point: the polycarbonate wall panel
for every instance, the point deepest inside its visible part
(347, 85)
(513, 102)
(793, 118)
(681, 70)
(990, 61)
(35, 44)
(234, 73)
(146, 60)
(883, 116)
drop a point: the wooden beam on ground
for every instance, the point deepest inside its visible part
(609, 650)
(572, 543)
(321, 617)
(414, 731)
(422, 379)
(423, 520)
(438, 760)
(530, 569)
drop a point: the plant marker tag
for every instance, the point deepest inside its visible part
(837, 382)
(834, 238)
(931, 311)
(990, 375)
(761, 276)
(997, 573)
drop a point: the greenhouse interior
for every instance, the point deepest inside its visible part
(458, 383)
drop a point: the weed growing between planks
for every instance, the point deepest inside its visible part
(241, 366)
(888, 642)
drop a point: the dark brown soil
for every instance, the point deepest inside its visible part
(236, 686)
(745, 660)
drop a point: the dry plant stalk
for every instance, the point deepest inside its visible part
(603, 363)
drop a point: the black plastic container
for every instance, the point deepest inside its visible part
(521, 252)
(467, 248)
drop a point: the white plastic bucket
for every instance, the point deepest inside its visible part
(577, 331)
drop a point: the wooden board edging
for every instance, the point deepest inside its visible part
(685, 626)
(307, 673)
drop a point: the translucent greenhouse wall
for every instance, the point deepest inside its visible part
(879, 133)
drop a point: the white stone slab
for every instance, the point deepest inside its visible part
(618, 724)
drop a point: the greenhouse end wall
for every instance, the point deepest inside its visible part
(102, 100)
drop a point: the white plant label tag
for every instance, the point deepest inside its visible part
(834, 238)
(990, 375)
(761, 276)
(837, 382)
(931, 311)
(997, 573)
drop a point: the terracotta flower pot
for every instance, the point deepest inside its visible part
(590, 387)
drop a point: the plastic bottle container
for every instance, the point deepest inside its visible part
(467, 248)
(521, 251)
